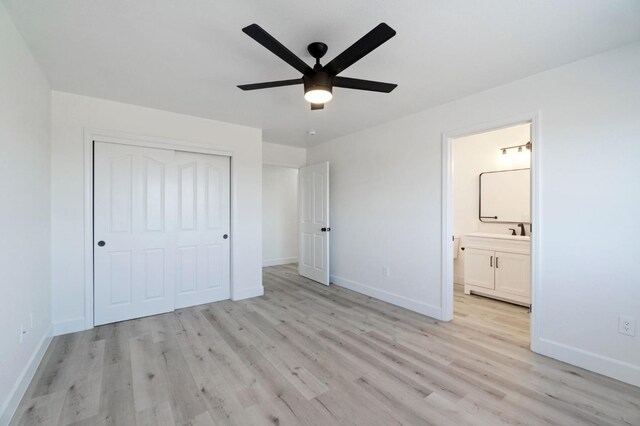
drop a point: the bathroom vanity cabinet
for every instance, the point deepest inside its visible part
(498, 266)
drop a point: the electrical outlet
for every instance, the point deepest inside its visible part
(627, 325)
(386, 271)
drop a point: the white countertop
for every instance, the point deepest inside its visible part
(499, 236)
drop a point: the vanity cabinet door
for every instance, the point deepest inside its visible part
(478, 267)
(513, 273)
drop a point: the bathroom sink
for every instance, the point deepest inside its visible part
(499, 236)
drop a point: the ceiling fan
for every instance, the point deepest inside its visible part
(320, 80)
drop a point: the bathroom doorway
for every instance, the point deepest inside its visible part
(489, 226)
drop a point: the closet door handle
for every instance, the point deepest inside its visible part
(491, 261)
(497, 262)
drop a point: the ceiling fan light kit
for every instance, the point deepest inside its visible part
(319, 81)
(318, 88)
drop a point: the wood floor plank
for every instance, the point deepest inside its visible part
(309, 354)
(149, 381)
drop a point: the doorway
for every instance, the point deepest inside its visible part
(279, 215)
(489, 184)
(295, 224)
(161, 230)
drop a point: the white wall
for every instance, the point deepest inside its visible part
(279, 215)
(71, 115)
(473, 155)
(24, 215)
(283, 155)
(386, 205)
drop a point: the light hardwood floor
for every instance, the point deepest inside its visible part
(309, 354)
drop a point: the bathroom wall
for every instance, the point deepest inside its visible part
(473, 155)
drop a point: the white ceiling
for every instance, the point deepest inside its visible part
(188, 56)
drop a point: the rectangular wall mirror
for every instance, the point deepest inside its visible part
(505, 196)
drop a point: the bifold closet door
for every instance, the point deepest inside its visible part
(134, 237)
(203, 220)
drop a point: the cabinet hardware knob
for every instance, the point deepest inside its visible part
(491, 261)
(101, 243)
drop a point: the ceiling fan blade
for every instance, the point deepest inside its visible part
(264, 38)
(269, 84)
(360, 49)
(316, 106)
(356, 83)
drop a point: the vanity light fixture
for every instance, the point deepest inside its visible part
(526, 145)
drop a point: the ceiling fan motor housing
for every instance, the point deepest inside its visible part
(318, 80)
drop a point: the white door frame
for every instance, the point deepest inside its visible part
(91, 135)
(447, 212)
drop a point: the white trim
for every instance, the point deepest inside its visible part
(68, 326)
(91, 135)
(447, 229)
(536, 226)
(88, 230)
(152, 142)
(447, 213)
(279, 164)
(276, 262)
(591, 361)
(8, 409)
(247, 293)
(395, 299)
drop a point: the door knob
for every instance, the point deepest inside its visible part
(225, 236)
(325, 229)
(101, 243)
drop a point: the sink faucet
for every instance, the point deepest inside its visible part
(522, 233)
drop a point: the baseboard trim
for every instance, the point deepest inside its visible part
(247, 293)
(276, 262)
(591, 361)
(395, 299)
(20, 386)
(69, 326)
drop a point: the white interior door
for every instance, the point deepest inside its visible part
(134, 216)
(313, 220)
(203, 229)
